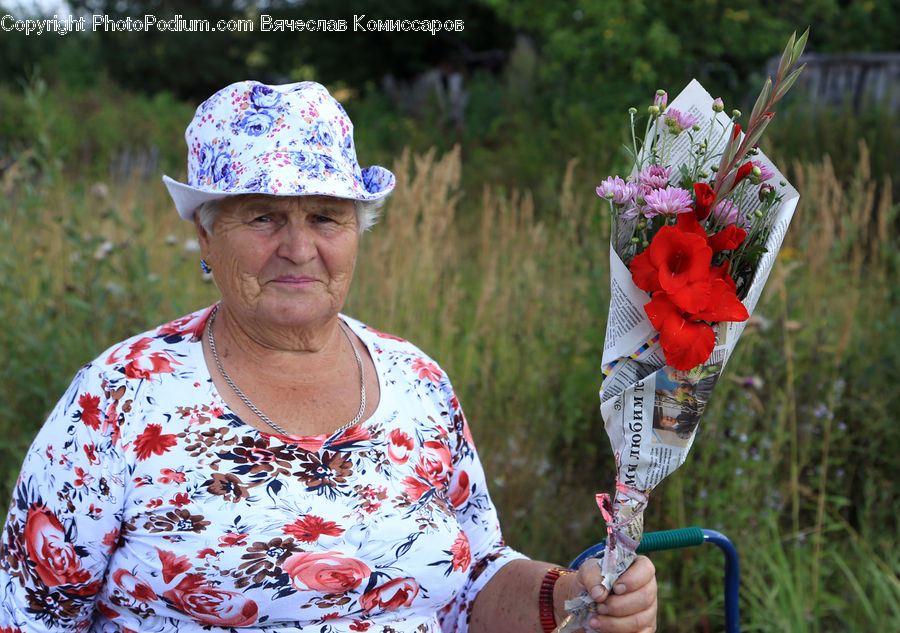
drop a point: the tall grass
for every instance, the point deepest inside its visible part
(794, 458)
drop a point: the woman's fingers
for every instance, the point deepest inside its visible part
(632, 606)
(591, 577)
(639, 574)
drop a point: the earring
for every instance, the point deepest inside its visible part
(205, 266)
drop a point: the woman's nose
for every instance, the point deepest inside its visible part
(297, 242)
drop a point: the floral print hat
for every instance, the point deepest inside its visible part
(288, 140)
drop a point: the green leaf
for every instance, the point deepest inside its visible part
(784, 87)
(799, 46)
(761, 102)
(786, 56)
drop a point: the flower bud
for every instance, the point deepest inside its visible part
(695, 127)
(718, 105)
(755, 174)
(766, 193)
(714, 168)
(654, 109)
(661, 99)
(703, 174)
(632, 111)
(641, 226)
(609, 195)
(736, 114)
(634, 240)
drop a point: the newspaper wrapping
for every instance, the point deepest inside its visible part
(650, 410)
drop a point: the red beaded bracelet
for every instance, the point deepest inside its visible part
(545, 598)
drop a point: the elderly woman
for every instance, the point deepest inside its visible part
(268, 463)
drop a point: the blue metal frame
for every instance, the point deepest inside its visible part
(732, 571)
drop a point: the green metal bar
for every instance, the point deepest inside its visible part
(671, 539)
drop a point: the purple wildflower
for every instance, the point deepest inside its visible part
(617, 190)
(655, 176)
(668, 201)
(632, 211)
(765, 172)
(729, 213)
(678, 121)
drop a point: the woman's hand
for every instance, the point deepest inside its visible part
(632, 606)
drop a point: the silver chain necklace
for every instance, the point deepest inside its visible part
(260, 414)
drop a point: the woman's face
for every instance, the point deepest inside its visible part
(282, 261)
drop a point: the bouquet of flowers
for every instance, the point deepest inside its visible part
(696, 228)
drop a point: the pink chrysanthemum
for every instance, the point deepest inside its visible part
(617, 190)
(678, 121)
(655, 176)
(668, 201)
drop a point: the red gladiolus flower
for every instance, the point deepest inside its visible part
(685, 343)
(677, 263)
(704, 198)
(743, 171)
(727, 239)
(687, 291)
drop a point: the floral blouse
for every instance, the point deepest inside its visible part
(146, 505)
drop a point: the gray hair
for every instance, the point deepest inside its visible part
(367, 212)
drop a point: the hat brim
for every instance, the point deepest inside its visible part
(187, 198)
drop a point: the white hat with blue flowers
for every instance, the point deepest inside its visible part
(288, 140)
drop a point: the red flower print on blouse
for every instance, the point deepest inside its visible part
(383, 335)
(90, 410)
(400, 447)
(90, 451)
(426, 371)
(459, 488)
(310, 528)
(133, 586)
(172, 565)
(111, 539)
(393, 594)
(435, 463)
(191, 325)
(328, 572)
(211, 605)
(356, 433)
(169, 476)
(54, 558)
(311, 443)
(140, 365)
(231, 539)
(153, 442)
(415, 487)
(462, 555)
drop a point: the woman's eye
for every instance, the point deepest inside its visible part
(261, 219)
(323, 219)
